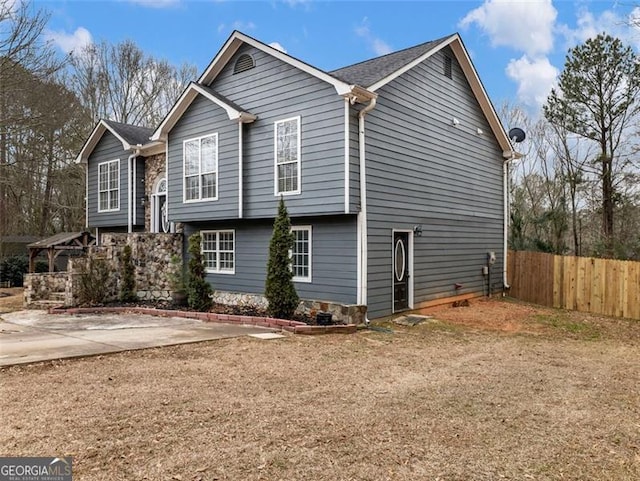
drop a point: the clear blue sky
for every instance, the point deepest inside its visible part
(518, 47)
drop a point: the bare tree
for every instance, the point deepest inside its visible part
(23, 55)
(122, 83)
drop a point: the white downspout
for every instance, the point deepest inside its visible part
(362, 214)
(130, 163)
(346, 155)
(240, 171)
(129, 193)
(505, 204)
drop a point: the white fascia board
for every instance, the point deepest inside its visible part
(181, 105)
(233, 113)
(234, 42)
(480, 93)
(95, 136)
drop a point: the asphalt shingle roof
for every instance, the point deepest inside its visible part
(372, 71)
(222, 98)
(133, 134)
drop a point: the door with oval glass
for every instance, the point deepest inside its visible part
(400, 271)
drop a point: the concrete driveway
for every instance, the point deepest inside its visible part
(32, 336)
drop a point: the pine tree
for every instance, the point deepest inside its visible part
(279, 289)
(199, 290)
(128, 288)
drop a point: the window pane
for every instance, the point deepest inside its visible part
(191, 157)
(191, 188)
(209, 160)
(300, 258)
(104, 201)
(113, 202)
(210, 263)
(208, 186)
(288, 177)
(209, 250)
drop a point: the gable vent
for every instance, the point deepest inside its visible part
(244, 62)
(447, 67)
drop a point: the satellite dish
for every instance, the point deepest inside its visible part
(517, 135)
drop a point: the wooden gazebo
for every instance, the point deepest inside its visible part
(56, 244)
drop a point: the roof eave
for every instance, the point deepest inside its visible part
(95, 136)
(181, 105)
(480, 93)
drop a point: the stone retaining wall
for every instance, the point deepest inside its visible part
(42, 287)
(152, 255)
(340, 313)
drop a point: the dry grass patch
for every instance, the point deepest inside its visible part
(445, 400)
(11, 299)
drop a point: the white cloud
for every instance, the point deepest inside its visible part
(379, 46)
(535, 78)
(278, 46)
(589, 25)
(239, 25)
(71, 42)
(156, 3)
(526, 26)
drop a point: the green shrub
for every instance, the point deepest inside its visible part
(13, 269)
(279, 289)
(94, 279)
(198, 289)
(128, 286)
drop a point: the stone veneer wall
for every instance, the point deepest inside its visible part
(154, 169)
(42, 287)
(151, 254)
(341, 313)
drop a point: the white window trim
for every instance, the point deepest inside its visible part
(107, 163)
(217, 270)
(275, 157)
(309, 229)
(184, 170)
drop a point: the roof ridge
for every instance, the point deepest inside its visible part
(436, 40)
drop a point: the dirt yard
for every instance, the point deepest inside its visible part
(498, 390)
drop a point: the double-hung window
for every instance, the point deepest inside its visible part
(109, 186)
(201, 168)
(218, 251)
(301, 253)
(287, 156)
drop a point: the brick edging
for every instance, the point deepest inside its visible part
(295, 327)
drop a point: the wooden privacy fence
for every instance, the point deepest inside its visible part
(599, 286)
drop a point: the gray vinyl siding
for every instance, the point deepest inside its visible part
(354, 163)
(423, 170)
(273, 91)
(333, 257)
(108, 148)
(203, 118)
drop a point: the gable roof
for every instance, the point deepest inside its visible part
(237, 39)
(130, 136)
(233, 110)
(371, 71)
(375, 73)
(363, 79)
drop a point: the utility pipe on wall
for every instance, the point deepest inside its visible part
(505, 217)
(362, 215)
